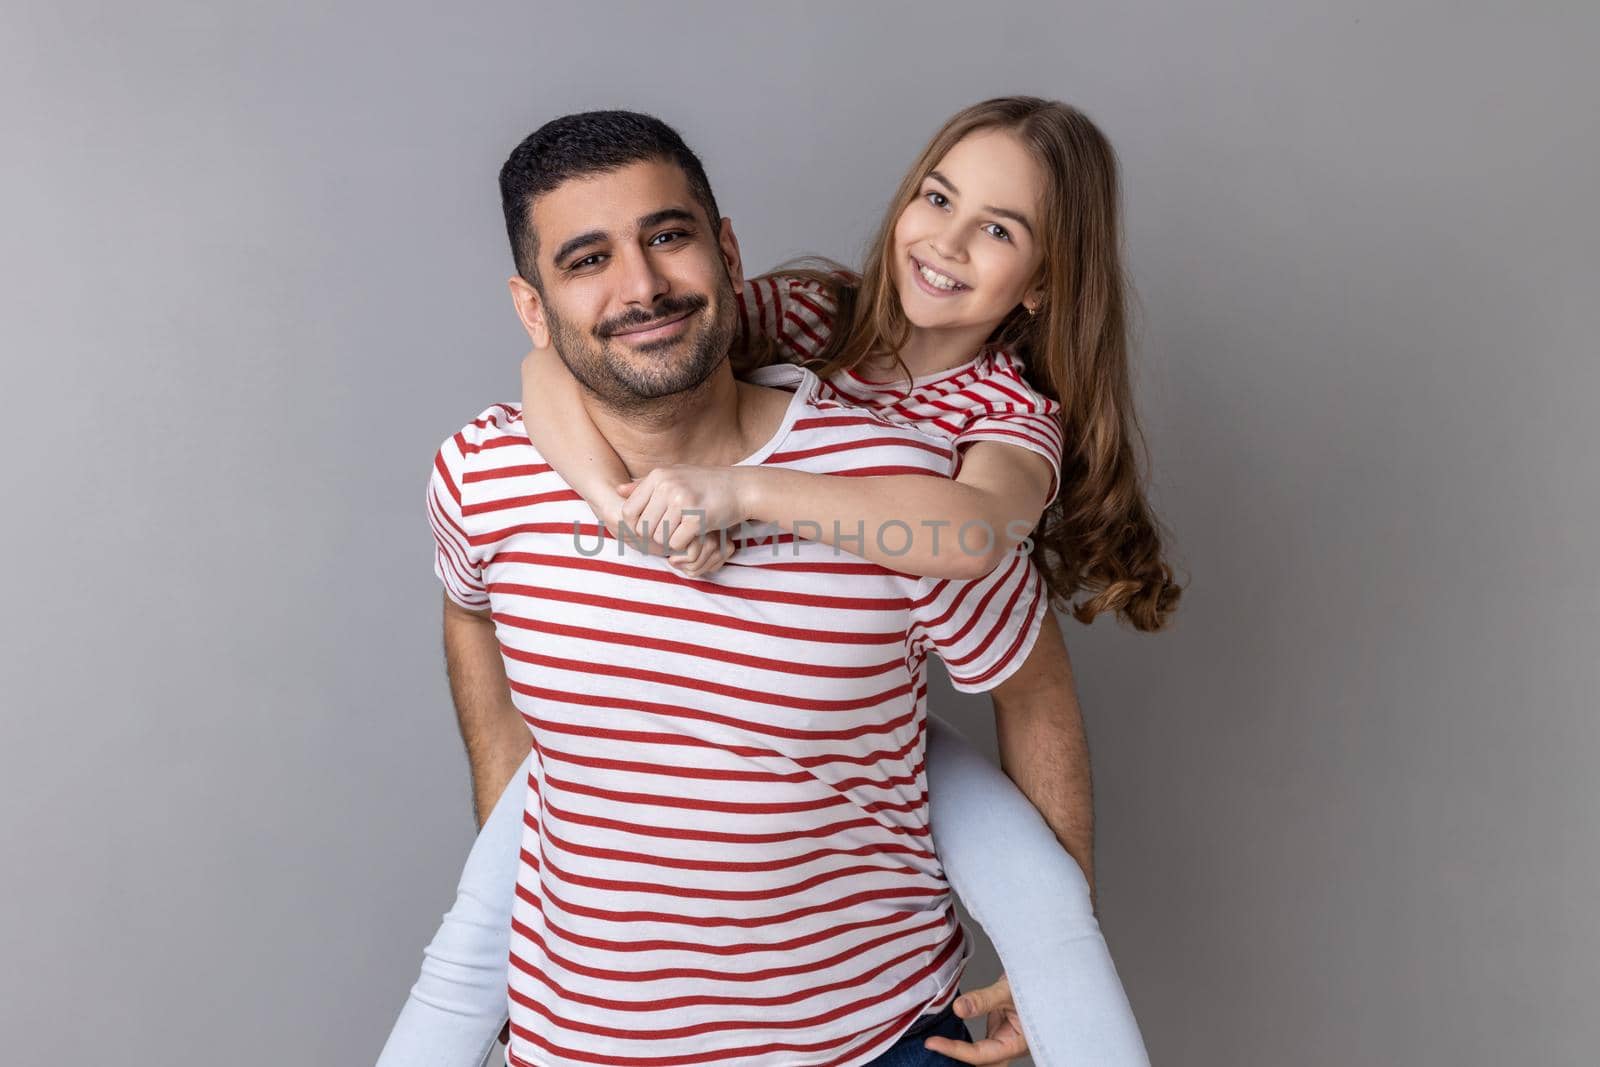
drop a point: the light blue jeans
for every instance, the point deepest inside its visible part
(1022, 887)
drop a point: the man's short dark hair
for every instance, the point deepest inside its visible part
(573, 146)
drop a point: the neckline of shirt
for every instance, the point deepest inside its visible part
(920, 380)
(803, 394)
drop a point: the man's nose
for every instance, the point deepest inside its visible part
(641, 282)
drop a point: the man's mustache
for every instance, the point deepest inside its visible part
(670, 307)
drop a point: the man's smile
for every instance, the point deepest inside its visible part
(655, 329)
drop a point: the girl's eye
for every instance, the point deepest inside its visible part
(994, 229)
(937, 199)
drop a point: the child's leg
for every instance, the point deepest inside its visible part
(454, 1013)
(1031, 898)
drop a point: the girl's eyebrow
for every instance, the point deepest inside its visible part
(1005, 213)
(1016, 217)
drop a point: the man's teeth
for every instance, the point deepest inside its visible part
(937, 280)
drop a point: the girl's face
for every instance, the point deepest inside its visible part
(967, 249)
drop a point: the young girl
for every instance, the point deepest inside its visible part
(994, 287)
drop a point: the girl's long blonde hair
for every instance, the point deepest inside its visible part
(1099, 537)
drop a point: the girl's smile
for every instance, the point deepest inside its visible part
(934, 281)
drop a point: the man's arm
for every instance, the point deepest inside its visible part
(1043, 749)
(492, 728)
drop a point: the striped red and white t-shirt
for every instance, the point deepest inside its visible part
(726, 855)
(987, 398)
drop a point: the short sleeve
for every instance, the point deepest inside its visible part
(454, 560)
(794, 311)
(1015, 413)
(982, 629)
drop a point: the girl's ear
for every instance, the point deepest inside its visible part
(1033, 299)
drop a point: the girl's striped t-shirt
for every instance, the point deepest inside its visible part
(726, 856)
(987, 398)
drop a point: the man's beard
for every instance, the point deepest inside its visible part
(624, 377)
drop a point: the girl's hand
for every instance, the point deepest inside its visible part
(680, 502)
(1002, 1038)
(706, 556)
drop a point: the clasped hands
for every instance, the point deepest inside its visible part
(683, 511)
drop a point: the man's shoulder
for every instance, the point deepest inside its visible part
(495, 422)
(496, 427)
(826, 421)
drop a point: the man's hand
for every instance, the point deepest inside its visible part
(1003, 1038)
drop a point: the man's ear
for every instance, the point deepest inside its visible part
(730, 253)
(530, 309)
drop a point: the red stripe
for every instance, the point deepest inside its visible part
(729, 807)
(818, 341)
(719, 974)
(955, 663)
(699, 651)
(699, 946)
(809, 1020)
(794, 996)
(770, 596)
(452, 551)
(841, 903)
(1010, 653)
(671, 711)
(578, 759)
(530, 500)
(668, 680)
(933, 448)
(550, 837)
(704, 893)
(751, 751)
(521, 470)
(444, 475)
(1025, 398)
(668, 611)
(724, 837)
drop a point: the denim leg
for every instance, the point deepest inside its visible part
(453, 1016)
(1031, 898)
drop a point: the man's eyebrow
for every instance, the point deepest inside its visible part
(670, 214)
(583, 240)
(594, 237)
(1005, 213)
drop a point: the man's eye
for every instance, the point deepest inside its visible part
(586, 261)
(667, 237)
(994, 229)
(936, 199)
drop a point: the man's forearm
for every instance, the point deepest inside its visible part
(1043, 748)
(495, 735)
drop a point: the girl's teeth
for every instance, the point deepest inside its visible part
(937, 280)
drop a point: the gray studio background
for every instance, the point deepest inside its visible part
(254, 272)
